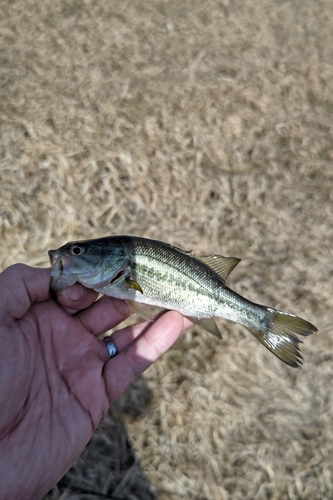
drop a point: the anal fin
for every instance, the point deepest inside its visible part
(208, 324)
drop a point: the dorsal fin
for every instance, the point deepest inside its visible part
(187, 252)
(221, 265)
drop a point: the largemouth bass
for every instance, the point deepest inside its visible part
(147, 272)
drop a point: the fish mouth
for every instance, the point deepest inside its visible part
(59, 263)
(60, 272)
(55, 260)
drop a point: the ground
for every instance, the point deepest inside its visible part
(207, 125)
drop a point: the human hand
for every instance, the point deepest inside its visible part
(57, 379)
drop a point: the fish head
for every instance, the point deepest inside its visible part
(88, 262)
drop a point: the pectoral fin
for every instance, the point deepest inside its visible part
(208, 324)
(142, 310)
(133, 284)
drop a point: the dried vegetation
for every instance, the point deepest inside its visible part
(207, 125)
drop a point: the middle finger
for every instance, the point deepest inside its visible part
(105, 313)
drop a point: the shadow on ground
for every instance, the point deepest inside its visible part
(108, 467)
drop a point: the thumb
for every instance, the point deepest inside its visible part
(21, 286)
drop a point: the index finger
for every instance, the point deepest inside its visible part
(76, 297)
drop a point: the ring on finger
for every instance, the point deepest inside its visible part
(112, 350)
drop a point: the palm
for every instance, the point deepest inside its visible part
(57, 379)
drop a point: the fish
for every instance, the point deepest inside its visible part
(146, 273)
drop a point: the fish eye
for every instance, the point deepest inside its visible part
(77, 250)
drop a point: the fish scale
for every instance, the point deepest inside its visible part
(168, 282)
(148, 272)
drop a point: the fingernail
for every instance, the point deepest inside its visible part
(75, 292)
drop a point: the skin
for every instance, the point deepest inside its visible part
(57, 379)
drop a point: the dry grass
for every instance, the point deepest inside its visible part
(207, 125)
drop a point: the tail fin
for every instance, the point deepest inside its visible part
(280, 336)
